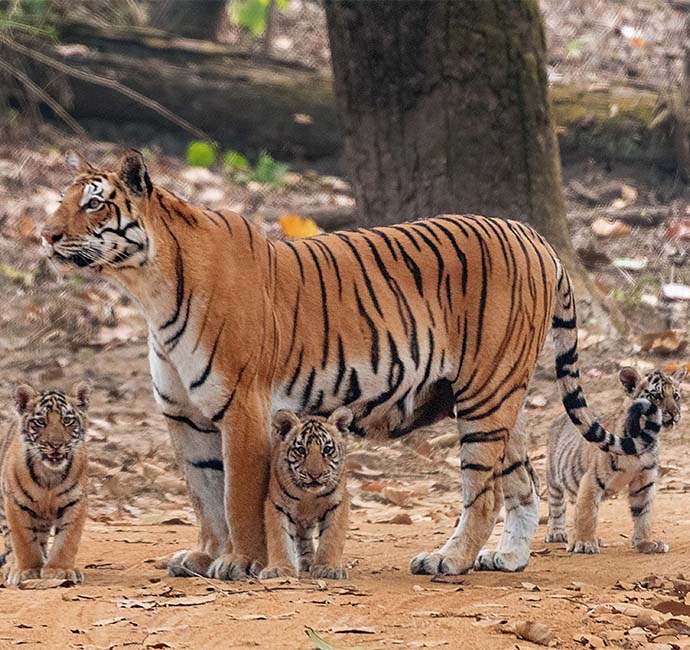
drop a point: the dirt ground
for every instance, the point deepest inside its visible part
(406, 494)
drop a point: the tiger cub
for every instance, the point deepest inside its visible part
(586, 474)
(307, 495)
(43, 480)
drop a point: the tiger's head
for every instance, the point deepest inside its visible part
(659, 388)
(98, 224)
(312, 449)
(52, 423)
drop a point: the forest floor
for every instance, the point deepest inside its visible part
(54, 331)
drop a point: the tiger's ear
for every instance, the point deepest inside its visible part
(629, 378)
(341, 418)
(81, 394)
(284, 421)
(134, 175)
(23, 394)
(77, 163)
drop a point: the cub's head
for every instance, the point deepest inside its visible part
(312, 449)
(52, 423)
(659, 388)
(98, 223)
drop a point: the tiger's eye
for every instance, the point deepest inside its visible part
(328, 449)
(93, 204)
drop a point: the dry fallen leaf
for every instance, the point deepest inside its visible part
(604, 228)
(47, 583)
(108, 621)
(533, 631)
(664, 342)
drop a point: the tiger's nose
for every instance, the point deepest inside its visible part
(51, 236)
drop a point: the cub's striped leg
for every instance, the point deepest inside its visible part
(281, 534)
(69, 525)
(305, 548)
(521, 500)
(641, 492)
(245, 429)
(26, 559)
(586, 512)
(197, 445)
(483, 447)
(556, 531)
(332, 531)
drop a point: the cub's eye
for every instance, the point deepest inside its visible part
(37, 423)
(94, 204)
(301, 451)
(69, 420)
(328, 449)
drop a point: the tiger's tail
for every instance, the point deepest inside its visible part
(564, 328)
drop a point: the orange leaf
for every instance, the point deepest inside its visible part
(296, 226)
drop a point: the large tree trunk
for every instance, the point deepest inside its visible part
(189, 18)
(445, 109)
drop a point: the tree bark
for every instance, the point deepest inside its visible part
(188, 18)
(444, 107)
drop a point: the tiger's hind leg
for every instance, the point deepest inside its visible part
(198, 449)
(483, 436)
(521, 500)
(556, 532)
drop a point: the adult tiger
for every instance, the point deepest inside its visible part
(404, 324)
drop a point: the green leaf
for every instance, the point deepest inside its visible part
(269, 171)
(234, 162)
(321, 644)
(251, 14)
(200, 154)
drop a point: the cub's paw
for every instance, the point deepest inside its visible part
(73, 575)
(277, 572)
(498, 561)
(556, 537)
(14, 576)
(305, 564)
(321, 572)
(439, 564)
(588, 547)
(187, 564)
(651, 546)
(231, 567)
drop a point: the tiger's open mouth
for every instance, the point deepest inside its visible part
(668, 422)
(54, 459)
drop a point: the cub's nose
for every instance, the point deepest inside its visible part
(51, 236)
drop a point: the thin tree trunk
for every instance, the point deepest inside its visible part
(445, 109)
(190, 18)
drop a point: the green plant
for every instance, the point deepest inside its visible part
(200, 154)
(269, 171)
(235, 164)
(251, 14)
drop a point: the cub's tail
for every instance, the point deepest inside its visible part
(564, 328)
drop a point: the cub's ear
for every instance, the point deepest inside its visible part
(341, 418)
(629, 378)
(680, 374)
(134, 175)
(77, 163)
(284, 421)
(81, 394)
(23, 394)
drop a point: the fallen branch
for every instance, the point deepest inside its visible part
(105, 82)
(41, 95)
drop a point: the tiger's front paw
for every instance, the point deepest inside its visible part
(650, 546)
(501, 561)
(14, 576)
(232, 567)
(73, 575)
(589, 547)
(277, 572)
(439, 564)
(186, 564)
(321, 571)
(556, 537)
